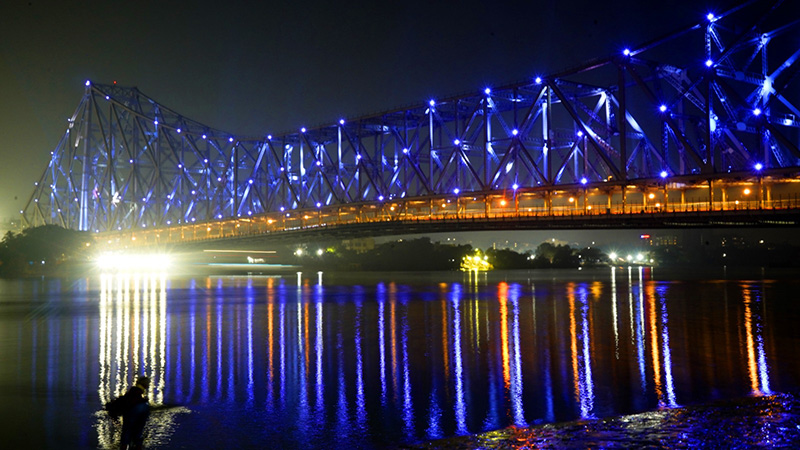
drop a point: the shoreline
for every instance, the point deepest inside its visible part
(762, 422)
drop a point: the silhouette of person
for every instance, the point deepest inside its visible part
(136, 411)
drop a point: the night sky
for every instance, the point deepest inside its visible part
(270, 67)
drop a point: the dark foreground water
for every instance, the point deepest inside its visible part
(392, 360)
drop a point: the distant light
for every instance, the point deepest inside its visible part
(584, 180)
(757, 112)
(178, 130)
(192, 219)
(709, 63)
(380, 198)
(405, 150)
(219, 179)
(205, 160)
(515, 186)
(180, 166)
(432, 103)
(219, 216)
(341, 121)
(319, 204)
(283, 209)
(456, 191)
(303, 130)
(746, 191)
(663, 174)
(155, 122)
(107, 97)
(230, 139)
(580, 133)
(249, 213)
(319, 163)
(758, 166)
(787, 121)
(194, 192)
(662, 108)
(457, 142)
(269, 137)
(88, 82)
(487, 91)
(538, 80)
(515, 132)
(612, 256)
(626, 52)
(204, 136)
(710, 17)
(250, 181)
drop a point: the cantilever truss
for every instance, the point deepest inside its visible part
(719, 108)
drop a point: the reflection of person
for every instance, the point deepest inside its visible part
(136, 410)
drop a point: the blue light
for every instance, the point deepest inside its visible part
(757, 112)
(457, 142)
(180, 166)
(515, 186)
(269, 137)
(219, 179)
(664, 174)
(192, 219)
(319, 204)
(303, 130)
(219, 216)
(538, 80)
(155, 122)
(405, 150)
(710, 17)
(250, 181)
(130, 161)
(249, 213)
(380, 198)
(709, 63)
(432, 103)
(758, 166)
(194, 192)
(662, 108)
(584, 180)
(205, 161)
(88, 82)
(319, 163)
(515, 132)
(487, 91)
(178, 130)
(169, 222)
(107, 97)
(580, 133)
(230, 139)
(456, 191)
(626, 52)
(341, 121)
(283, 209)
(204, 136)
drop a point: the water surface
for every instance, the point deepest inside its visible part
(382, 360)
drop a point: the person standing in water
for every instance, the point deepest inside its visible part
(135, 409)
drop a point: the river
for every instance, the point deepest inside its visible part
(377, 360)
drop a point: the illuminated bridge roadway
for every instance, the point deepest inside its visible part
(698, 128)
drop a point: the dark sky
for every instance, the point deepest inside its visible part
(263, 67)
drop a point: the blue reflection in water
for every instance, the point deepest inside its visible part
(459, 407)
(669, 382)
(516, 367)
(361, 404)
(408, 407)
(585, 379)
(380, 293)
(640, 343)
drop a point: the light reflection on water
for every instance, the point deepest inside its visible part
(269, 361)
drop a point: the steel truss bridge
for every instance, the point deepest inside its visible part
(702, 123)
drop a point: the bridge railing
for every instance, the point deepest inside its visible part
(304, 220)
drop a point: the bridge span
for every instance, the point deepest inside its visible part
(697, 128)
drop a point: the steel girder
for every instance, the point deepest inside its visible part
(127, 162)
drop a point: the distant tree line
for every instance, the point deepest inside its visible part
(422, 254)
(41, 250)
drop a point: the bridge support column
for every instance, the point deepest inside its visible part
(609, 197)
(723, 195)
(710, 195)
(624, 196)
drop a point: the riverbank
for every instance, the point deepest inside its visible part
(756, 422)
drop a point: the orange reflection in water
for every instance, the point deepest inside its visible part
(502, 295)
(650, 295)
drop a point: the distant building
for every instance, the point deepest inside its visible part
(666, 240)
(360, 245)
